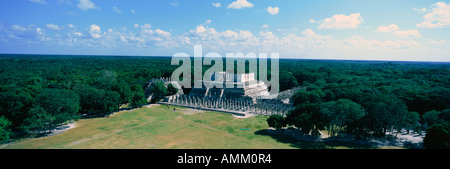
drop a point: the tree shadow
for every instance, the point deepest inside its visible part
(310, 142)
(92, 115)
(279, 136)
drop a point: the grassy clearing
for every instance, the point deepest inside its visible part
(162, 128)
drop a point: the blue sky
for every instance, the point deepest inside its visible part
(321, 29)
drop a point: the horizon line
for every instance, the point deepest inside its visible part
(284, 58)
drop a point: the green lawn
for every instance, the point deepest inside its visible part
(162, 128)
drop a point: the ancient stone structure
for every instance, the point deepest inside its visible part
(166, 81)
(263, 107)
(243, 85)
(247, 96)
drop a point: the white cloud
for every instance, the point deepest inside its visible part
(265, 26)
(420, 10)
(306, 44)
(273, 10)
(117, 10)
(30, 33)
(175, 4)
(340, 21)
(52, 26)
(86, 5)
(394, 29)
(133, 11)
(408, 34)
(386, 29)
(217, 5)
(438, 17)
(200, 29)
(312, 21)
(239, 4)
(208, 21)
(94, 31)
(71, 26)
(161, 32)
(308, 32)
(38, 1)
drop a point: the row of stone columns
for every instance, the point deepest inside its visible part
(163, 79)
(230, 104)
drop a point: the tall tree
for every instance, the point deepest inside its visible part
(171, 90)
(138, 96)
(437, 137)
(5, 131)
(276, 121)
(158, 90)
(343, 114)
(63, 105)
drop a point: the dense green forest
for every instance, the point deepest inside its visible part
(356, 97)
(40, 92)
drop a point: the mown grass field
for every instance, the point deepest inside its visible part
(158, 127)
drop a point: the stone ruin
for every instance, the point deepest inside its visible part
(252, 97)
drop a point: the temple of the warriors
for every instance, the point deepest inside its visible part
(231, 86)
(239, 94)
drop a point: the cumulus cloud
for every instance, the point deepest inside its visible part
(52, 26)
(240, 4)
(86, 5)
(306, 44)
(438, 17)
(340, 21)
(30, 33)
(217, 5)
(273, 10)
(38, 1)
(162, 33)
(394, 30)
(117, 10)
(94, 31)
(71, 26)
(408, 34)
(420, 9)
(386, 29)
(265, 26)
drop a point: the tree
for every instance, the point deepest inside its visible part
(61, 104)
(98, 101)
(171, 90)
(343, 114)
(138, 96)
(276, 121)
(431, 117)
(38, 119)
(383, 113)
(411, 121)
(445, 116)
(126, 95)
(303, 96)
(5, 131)
(158, 90)
(14, 105)
(437, 137)
(306, 117)
(288, 81)
(110, 101)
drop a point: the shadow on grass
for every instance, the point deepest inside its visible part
(282, 137)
